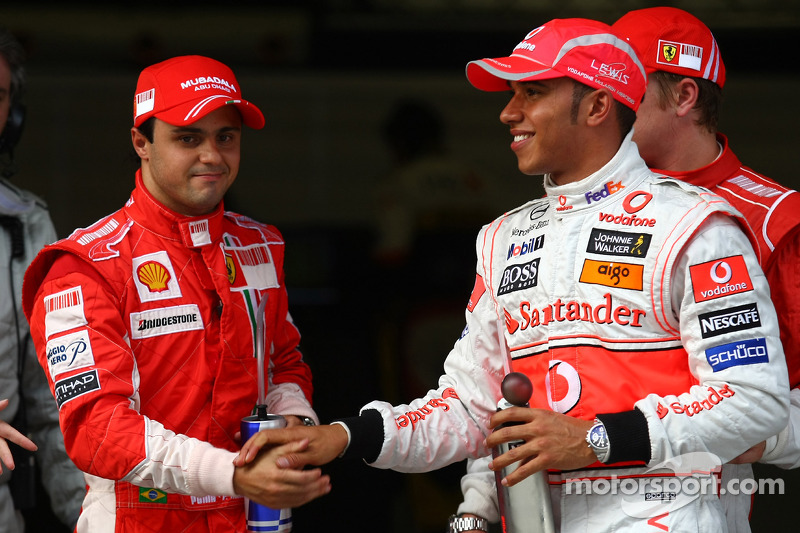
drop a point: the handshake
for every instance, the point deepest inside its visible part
(270, 468)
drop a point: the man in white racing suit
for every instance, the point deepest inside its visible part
(676, 134)
(609, 293)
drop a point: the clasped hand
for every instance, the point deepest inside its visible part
(270, 465)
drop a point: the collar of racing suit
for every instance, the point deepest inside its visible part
(621, 174)
(193, 232)
(713, 173)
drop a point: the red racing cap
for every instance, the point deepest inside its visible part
(184, 89)
(585, 50)
(672, 40)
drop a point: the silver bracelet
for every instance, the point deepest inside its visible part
(458, 524)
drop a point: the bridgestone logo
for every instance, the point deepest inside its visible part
(165, 321)
(728, 320)
(169, 321)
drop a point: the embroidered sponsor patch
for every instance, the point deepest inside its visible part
(69, 352)
(199, 232)
(154, 277)
(74, 386)
(165, 321)
(250, 267)
(620, 275)
(621, 243)
(747, 352)
(518, 277)
(680, 55)
(64, 311)
(148, 495)
(728, 320)
(720, 278)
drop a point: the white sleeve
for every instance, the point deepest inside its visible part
(183, 465)
(742, 393)
(783, 449)
(479, 490)
(450, 422)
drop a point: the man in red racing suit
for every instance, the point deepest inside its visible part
(607, 294)
(145, 322)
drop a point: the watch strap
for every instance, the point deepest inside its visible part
(459, 524)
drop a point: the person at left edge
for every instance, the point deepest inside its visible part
(144, 323)
(26, 228)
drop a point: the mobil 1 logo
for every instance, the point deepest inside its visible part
(728, 320)
(518, 277)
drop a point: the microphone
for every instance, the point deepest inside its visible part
(525, 507)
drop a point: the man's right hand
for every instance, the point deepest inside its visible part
(263, 481)
(323, 444)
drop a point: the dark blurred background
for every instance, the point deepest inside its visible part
(335, 80)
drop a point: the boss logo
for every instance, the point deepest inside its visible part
(518, 277)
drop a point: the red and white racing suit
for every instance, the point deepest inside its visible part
(773, 213)
(145, 324)
(611, 294)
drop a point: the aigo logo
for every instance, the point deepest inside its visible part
(719, 278)
(620, 275)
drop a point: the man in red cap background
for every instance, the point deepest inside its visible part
(145, 324)
(595, 292)
(676, 131)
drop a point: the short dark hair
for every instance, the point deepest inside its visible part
(625, 115)
(14, 53)
(146, 128)
(709, 100)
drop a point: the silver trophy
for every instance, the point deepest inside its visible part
(525, 507)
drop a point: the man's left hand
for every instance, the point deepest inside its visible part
(552, 440)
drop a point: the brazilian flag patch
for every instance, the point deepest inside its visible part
(152, 495)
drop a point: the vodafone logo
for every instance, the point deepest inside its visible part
(632, 204)
(721, 272)
(720, 278)
(635, 201)
(563, 386)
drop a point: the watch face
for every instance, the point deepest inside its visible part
(598, 437)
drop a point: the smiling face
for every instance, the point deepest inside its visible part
(541, 121)
(189, 168)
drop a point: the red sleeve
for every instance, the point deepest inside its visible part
(784, 283)
(79, 336)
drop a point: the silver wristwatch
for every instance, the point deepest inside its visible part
(597, 439)
(458, 524)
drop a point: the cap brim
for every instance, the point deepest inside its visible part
(190, 112)
(494, 74)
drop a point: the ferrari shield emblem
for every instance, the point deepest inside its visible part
(229, 264)
(669, 51)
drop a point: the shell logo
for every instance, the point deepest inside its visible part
(153, 275)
